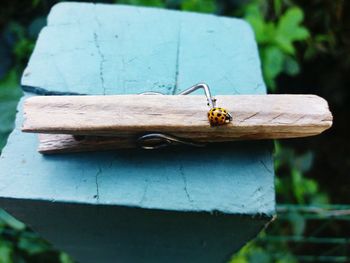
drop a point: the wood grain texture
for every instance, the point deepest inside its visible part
(129, 116)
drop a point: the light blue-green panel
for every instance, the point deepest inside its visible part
(102, 233)
(104, 49)
(224, 55)
(109, 49)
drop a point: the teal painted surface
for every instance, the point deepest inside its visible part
(102, 49)
(94, 234)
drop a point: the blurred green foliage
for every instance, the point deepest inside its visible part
(291, 184)
(153, 3)
(18, 244)
(9, 95)
(292, 187)
(284, 42)
(276, 39)
(204, 6)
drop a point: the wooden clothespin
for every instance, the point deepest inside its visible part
(151, 120)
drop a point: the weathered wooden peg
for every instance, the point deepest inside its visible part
(118, 121)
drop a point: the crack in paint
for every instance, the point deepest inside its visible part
(100, 53)
(102, 61)
(177, 62)
(143, 198)
(266, 167)
(97, 195)
(190, 200)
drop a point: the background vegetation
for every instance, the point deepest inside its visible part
(305, 48)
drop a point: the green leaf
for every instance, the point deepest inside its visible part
(10, 93)
(298, 223)
(290, 24)
(156, 3)
(33, 244)
(310, 187)
(6, 251)
(254, 17)
(276, 39)
(260, 256)
(298, 186)
(319, 199)
(65, 258)
(290, 30)
(23, 48)
(11, 221)
(203, 6)
(264, 31)
(244, 255)
(291, 66)
(303, 162)
(258, 26)
(277, 4)
(272, 58)
(35, 3)
(9, 87)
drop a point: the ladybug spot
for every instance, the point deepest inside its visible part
(216, 118)
(219, 114)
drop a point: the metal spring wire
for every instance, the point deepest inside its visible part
(152, 141)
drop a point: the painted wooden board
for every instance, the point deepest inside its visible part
(125, 50)
(103, 49)
(125, 234)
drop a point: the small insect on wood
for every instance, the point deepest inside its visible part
(219, 116)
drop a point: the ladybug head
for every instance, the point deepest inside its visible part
(228, 117)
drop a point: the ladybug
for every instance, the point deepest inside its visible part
(219, 116)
